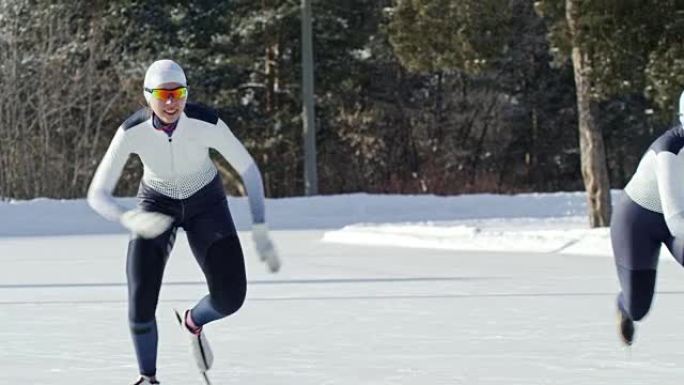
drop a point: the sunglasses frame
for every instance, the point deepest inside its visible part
(151, 91)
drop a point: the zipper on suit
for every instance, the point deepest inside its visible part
(174, 179)
(173, 168)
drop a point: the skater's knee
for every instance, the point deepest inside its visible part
(638, 306)
(229, 300)
(141, 313)
(140, 318)
(639, 313)
(637, 292)
(142, 327)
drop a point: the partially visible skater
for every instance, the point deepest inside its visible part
(180, 187)
(650, 213)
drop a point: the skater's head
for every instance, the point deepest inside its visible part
(166, 89)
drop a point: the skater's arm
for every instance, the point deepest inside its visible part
(225, 142)
(670, 177)
(107, 175)
(235, 153)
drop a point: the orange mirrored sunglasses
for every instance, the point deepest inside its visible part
(162, 94)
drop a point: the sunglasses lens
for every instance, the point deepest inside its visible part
(160, 94)
(181, 93)
(178, 93)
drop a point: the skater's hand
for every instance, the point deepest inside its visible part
(264, 246)
(146, 224)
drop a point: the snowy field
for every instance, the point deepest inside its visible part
(477, 289)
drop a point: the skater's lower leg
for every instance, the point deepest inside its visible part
(634, 302)
(145, 340)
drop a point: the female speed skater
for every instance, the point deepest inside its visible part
(650, 213)
(180, 187)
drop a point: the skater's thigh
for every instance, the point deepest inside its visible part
(636, 235)
(221, 261)
(216, 246)
(214, 223)
(144, 270)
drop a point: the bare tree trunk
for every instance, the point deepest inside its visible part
(272, 83)
(479, 144)
(593, 155)
(49, 143)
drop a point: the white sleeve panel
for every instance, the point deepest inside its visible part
(107, 175)
(670, 176)
(224, 141)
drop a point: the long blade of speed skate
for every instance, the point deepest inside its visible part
(179, 318)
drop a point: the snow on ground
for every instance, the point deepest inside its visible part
(543, 223)
(563, 235)
(510, 305)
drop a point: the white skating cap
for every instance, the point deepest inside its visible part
(164, 71)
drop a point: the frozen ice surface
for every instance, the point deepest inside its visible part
(338, 314)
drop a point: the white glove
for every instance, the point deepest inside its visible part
(264, 247)
(146, 224)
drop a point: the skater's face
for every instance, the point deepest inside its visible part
(168, 101)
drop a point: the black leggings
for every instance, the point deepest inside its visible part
(206, 219)
(637, 235)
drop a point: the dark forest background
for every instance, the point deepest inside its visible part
(441, 97)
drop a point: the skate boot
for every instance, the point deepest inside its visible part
(144, 380)
(625, 327)
(198, 342)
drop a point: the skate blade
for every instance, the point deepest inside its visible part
(179, 318)
(203, 373)
(205, 377)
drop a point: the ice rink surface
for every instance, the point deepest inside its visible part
(338, 314)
